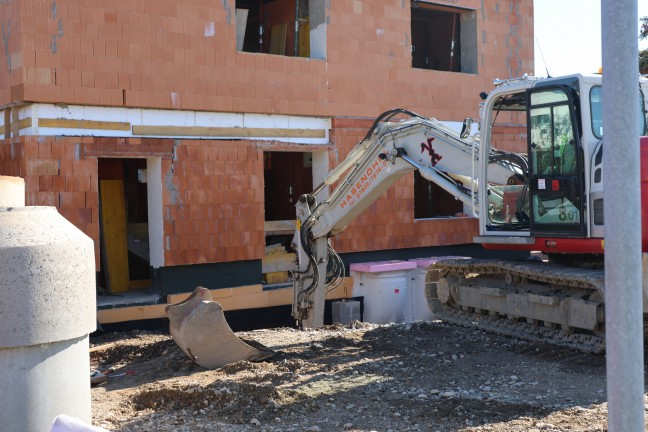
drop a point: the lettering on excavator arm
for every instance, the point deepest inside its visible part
(363, 183)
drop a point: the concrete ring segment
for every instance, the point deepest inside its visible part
(47, 278)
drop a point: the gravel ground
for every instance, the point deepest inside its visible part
(426, 376)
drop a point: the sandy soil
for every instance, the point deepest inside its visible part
(418, 377)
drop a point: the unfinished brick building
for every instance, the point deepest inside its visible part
(178, 134)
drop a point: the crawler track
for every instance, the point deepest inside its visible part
(507, 285)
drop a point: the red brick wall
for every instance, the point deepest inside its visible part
(12, 158)
(213, 202)
(156, 53)
(510, 138)
(57, 174)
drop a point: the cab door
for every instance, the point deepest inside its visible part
(555, 180)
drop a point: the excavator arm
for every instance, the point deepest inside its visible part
(388, 151)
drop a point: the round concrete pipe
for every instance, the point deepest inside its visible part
(47, 311)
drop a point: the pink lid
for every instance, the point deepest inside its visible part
(427, 262)
(382, 266)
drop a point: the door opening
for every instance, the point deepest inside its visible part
(123, 227)
(287, 176)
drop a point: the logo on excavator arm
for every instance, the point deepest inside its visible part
(434, 156)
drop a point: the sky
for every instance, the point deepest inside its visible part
(570, 40)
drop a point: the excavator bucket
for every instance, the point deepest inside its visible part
(199, 327)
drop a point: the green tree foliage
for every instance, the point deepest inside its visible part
(643, 54)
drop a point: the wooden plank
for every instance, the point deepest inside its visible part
(237, 132)
(263, 299)
(7, 123)
(219, 293)
(114, 241)
(344, 290)
(279, 227)
(278, 39)
(304, 38)
(15, 122)
(25, 123)
(130, 313)
(83, 124)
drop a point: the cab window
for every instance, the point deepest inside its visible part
(552, 135)
(596, 108)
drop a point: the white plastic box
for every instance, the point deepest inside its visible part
(384, 286)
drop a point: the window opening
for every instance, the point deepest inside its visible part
(282, 27)
(431, 201)
(443, 38)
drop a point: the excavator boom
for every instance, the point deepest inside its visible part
(389, 151)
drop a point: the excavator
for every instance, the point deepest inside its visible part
(548, 199)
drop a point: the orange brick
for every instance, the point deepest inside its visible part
(85, 215)
(44, 150)
(45, 183)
